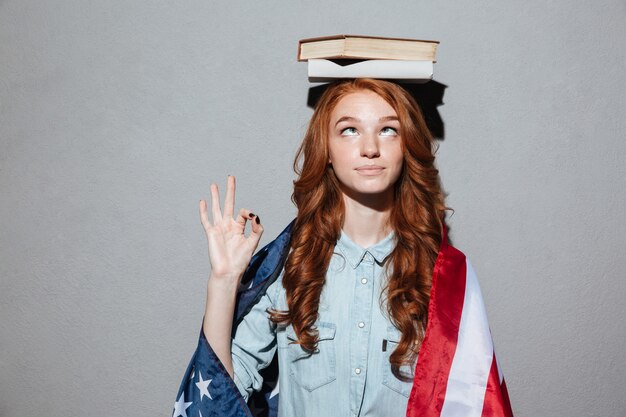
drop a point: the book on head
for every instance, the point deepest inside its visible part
(358, 56)
(366, 47)
(324, 70)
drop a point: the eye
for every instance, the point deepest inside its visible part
(388, 131)
(348, 131)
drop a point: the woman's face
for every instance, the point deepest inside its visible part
(365, 144)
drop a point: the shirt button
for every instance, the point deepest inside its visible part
(363, 280)
(357, 371)
(361, 324)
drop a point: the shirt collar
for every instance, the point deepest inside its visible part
(355, 254)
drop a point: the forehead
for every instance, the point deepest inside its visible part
(362, 104)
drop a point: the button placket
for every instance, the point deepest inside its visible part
(362, 314)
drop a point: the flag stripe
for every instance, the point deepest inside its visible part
(496, 396)
(439, 344)
(472, 361)
(506, 401)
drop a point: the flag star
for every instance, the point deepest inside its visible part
(181, 406)
(193, 373)
(203, 386)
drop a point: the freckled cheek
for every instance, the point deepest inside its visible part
(397, 169)
(345, 157)
(396, 176)
(341, 165)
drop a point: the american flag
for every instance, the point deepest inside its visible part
(457, 373)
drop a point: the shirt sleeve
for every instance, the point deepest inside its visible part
(254, 343)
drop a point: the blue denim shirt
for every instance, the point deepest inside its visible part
(350, 375)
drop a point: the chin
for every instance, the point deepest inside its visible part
(366, 187)
(372, 190)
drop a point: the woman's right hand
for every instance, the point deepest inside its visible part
(230, 250)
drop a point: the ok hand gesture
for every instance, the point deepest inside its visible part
(230, 250)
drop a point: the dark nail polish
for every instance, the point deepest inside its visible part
(251, 215)
(257, 220)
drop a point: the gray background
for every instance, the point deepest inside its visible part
(115, 116)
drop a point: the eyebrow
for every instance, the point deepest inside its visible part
(354, 119)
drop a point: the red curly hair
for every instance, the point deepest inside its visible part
(416, 217)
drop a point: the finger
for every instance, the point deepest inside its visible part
(204, 215)
(215, 204)
(257, 230)
(229, 201)
(243, 216)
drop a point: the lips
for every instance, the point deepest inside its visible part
(370, 169)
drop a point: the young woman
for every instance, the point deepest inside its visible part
(348, 313)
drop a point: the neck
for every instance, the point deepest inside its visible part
(366, 220)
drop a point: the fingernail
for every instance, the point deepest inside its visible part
(251, 215)
(257, 220)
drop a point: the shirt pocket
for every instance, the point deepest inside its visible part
(389, 379)
(312, 370)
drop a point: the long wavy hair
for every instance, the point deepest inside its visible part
(416, 217)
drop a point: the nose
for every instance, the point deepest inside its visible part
(369, 146)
